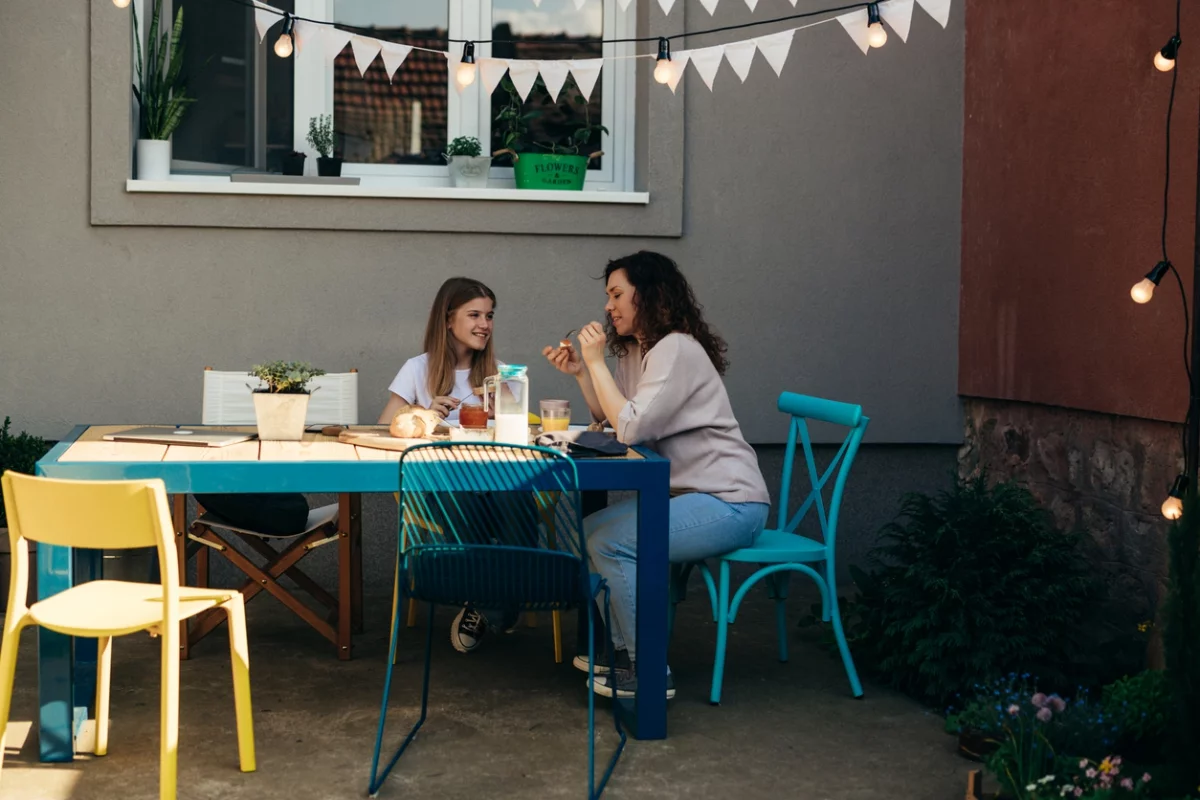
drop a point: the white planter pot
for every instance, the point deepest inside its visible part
(280, 416)
(470, 172)
(153, 159)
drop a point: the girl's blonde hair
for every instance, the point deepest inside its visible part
(455, 293)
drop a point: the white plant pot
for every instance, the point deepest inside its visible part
(280, 416)
(470, 172)
(153, 159)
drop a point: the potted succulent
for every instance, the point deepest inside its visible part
(320, 136)
(161, 93)
(293, 163)
(554, 164)
(281, 406)
(468, 167)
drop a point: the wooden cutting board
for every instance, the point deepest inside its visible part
(379, 439)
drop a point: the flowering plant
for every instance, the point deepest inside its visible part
(1025, 753)
(1091, 780)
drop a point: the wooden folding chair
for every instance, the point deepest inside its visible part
(228, 400)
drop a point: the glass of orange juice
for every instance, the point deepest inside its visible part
(556, 415)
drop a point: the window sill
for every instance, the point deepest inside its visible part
(374, 189)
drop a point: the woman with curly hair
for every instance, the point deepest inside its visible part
(666, 393)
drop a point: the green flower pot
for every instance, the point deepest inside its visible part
(550, 171)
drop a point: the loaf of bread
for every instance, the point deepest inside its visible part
(414, 422)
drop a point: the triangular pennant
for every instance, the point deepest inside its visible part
(752, 4)
(523, 74)
(897, 14)
(336, 40)
(678, 65)
(855, 24)
(707, 60)
(307, 33)
(554, 75)
(579, 4)
(393, 56)
(775, 48)
(537, 3)
(710, 6)
(265, 16)
(938, 9)
(624, 4)
(586, 71)
(666, 5)
(491, 70)
(740, 56)
(365, 49)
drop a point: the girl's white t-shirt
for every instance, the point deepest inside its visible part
(412, 383)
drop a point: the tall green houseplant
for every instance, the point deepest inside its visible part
(161, 89)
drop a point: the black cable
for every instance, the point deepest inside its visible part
(803, 15)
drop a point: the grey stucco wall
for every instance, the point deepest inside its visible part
(821, 230)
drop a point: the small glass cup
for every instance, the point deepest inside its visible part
(556, 415)
(471, 413)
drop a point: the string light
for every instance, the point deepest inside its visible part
(1143, 290)
(663, 68)
(1172, 507)
(876, 35)
(1164, 60)
(464, 76)
(284, 45)
(121, 3)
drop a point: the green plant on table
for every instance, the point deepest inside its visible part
(464, 146)
(161, 89)
(320, 134)
(19, 453)
(286, 377)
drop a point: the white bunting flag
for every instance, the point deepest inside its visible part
(393, 56)
(678, 65)
(586, 71)
(775, 48)
(938, 9)
(579, 4)
(666, 5)
(710, 6)
(491, 70)
(265, 16)
(523, 74)
(537, 3)
(707, 60)
(624, 4)
(740, 56)
(856, 25)
(306, 33)
(365, 49)
(336, 40)
(752, 4)
(554, 75)
(897, 14)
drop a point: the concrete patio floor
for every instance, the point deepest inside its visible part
(505, 722)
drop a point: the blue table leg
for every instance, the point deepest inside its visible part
(87, 568)
(652, 599)
(55, 669)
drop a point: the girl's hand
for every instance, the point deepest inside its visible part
(564, 359)
(591, 344)
(444, 405)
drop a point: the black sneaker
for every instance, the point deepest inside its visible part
(602, 666)
(468, 629)
(625, 683)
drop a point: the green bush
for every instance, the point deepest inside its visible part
(19, 453)
(1140, 705)
(967, 586)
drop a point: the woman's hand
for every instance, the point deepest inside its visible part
(444, 405)
(564, 359)
(591, 344)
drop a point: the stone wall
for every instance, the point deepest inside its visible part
(1105, 473)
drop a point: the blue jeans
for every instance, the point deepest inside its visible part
(701, 526)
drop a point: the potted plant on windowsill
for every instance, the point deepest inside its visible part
(320, 136)
(555, 164)
(293, 163)
(280, 408)
(468, 167)
(161, 92)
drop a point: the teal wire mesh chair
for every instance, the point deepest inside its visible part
(508, 535)
(781, 551)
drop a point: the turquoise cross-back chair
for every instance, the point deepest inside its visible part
(781, 551)
(508, 535)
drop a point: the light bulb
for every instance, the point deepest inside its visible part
(663, 71)
(1163, 63)
(1164, 59)
(121, 3)
(876, 35)
(1142, 291)
(1172, 508)
(464, 76)
(283, 46)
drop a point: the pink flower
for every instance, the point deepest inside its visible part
(1091, 773)
(1146, 777)
(1058, 704)
(1044, 714)
(1038, 700)
(1083, 762)
(1014, 709)
(1116, 760)
(1079, 791)
(1127, 783)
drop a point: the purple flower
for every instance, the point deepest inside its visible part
(1079, 791)
(1038, 700)
(1044, 714)
(1058, 704)
(1127, 783)
(1091, 773)
(1146, 777)
(1083, 762)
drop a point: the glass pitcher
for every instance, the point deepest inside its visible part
(512, 407)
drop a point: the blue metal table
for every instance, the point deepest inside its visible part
(67, 667)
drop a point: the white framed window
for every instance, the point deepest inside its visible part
(253, 107)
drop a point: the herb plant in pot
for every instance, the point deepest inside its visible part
(280, 408)
(468, 167)
(555, 163)
(320, 136)
(161, 93)
(293, 163)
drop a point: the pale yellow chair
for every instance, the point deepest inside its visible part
(117, 515)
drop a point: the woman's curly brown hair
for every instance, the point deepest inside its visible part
(665, 304)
